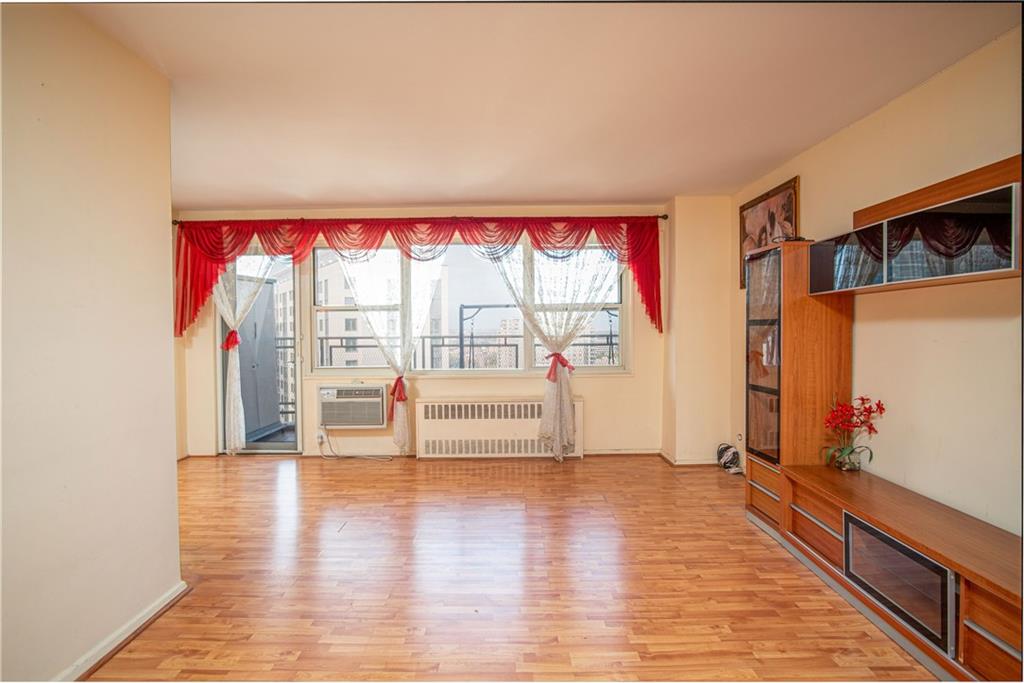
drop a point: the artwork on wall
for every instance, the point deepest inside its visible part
(771, 217)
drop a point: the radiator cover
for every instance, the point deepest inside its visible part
(484, 428)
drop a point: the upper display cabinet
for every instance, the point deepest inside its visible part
(971, 236)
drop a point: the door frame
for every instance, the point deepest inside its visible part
(296, 345)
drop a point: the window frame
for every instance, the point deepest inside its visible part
(529, 367)
(317, 308)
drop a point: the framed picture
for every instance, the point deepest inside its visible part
(772, 217)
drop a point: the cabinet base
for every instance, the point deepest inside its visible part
(914, 651)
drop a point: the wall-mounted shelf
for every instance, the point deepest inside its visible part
(965, 229)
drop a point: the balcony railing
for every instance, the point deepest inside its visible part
(443, 352)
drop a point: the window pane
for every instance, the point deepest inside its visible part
(333, 290)
(473, 323)
(598, 345)
(559, 281)
(344, 340)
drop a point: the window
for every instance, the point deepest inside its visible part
(474, 323)
(600, 343)
(338, 340)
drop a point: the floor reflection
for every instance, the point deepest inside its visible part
(287, 515)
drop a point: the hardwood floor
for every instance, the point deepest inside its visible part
(616, 567)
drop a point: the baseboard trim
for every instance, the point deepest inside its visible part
(687, 463)
(621, 451)
(91, 661)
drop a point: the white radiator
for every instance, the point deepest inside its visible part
(484, 428)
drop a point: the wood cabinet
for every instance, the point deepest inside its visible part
(798, 361)
(949, 583)
(990, 633)
(964, 229)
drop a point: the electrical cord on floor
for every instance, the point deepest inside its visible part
(324, 436)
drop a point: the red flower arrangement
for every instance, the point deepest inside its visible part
(847, 421)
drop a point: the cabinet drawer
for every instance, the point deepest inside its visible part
(822, 510)
(764, 502)
(826, 545)
(763, 475)
(992, 613)
(988, 659)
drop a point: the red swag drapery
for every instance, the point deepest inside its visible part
(204, 248)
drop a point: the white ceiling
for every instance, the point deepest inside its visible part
(333, 105)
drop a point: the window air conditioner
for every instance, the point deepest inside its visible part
(355, 406)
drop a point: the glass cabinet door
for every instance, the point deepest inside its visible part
(764, 352)
(918, 590)
(970, 235)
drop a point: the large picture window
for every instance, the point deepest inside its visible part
(473, 325)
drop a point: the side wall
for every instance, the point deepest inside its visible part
(696, 365)
(622, 409)
(90, 542)
(946, 360)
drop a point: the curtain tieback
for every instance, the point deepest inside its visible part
(556, 360)
(397, 394)
(231, 341)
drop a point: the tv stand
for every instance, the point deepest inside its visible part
(852, 525)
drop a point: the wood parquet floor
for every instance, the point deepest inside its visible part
(616, 567)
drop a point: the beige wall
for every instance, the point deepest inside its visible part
(946, 360)
(90, 544)
(696, 361)
(1, 347)
(622, 410)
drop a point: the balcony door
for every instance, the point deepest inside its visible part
(268, 365)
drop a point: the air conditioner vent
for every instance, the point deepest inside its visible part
(353, 407)
(361, 392)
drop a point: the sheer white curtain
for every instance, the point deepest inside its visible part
(397, 329)
(558, 298)
(234, 295)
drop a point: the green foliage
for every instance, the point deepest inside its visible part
(839, 454)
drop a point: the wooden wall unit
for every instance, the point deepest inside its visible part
(986, 560)
(979, 180)
(900, 543)
(880, 256)
(810, 366)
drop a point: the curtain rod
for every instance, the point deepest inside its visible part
(662, 216)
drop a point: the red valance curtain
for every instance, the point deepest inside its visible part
(204, 248)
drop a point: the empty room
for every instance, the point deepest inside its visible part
(510, 341)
